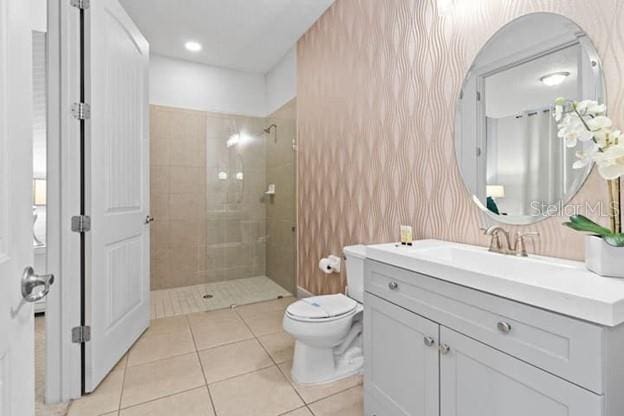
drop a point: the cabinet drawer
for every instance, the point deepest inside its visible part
(566, 347)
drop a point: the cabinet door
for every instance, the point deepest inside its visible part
(401, 361)
(477, 380)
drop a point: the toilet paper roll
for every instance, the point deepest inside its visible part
(325, 265)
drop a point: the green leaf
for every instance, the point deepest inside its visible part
(615, 240)
(584, 224)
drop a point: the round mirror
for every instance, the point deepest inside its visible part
(512, 161)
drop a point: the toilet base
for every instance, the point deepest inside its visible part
(313, 365)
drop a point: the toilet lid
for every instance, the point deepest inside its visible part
(320, 307)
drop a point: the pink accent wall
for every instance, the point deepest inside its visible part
(377, 85)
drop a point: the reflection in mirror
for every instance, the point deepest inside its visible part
(506, 143)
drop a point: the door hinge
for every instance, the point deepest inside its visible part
(81, 224)
(81, 334)
(478, 96)
(80, 4)
(81, 111)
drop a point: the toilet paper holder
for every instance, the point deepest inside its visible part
(330, 264)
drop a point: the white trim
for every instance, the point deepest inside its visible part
(63, 378)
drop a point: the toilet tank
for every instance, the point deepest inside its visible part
(355, 256)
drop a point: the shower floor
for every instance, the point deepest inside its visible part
(189, 299)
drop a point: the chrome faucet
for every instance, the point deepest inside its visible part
(504, 246)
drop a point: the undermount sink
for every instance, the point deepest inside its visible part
(559, 285)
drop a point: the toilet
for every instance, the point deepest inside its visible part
(328, 329)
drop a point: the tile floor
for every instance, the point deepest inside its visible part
(189, 299)
(229, 362)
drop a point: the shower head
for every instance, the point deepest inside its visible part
(268, 129)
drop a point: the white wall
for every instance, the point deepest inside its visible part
(183, 84)
(281, 81)
(39, 10)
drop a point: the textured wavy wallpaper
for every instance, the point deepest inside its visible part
(377, 84)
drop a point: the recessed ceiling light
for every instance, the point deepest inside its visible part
(193, 46)
(555, 78)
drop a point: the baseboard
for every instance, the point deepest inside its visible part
(303, 293)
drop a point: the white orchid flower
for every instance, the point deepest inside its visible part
(572, 130)
(611, 162)
(586, 156)
(590, 107)
(597, 109)
(598, 123)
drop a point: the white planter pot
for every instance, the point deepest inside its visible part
(602, 258)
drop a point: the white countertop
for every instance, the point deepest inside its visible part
(558, 285)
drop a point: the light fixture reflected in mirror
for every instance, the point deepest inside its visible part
(555, 78)
(193, 46)
(495, 191)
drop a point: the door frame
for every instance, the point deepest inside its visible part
(64, 363)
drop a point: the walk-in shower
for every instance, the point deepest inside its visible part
(219, 238)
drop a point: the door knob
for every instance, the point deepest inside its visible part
(149, 219)
(444, 349)
(393, 285)
(35, 287)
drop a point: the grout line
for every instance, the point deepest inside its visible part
(212, 403)
(294, 410)
(277, 365)
(123, 380)
(278, 369)
(241, 375)
(334, 394)
(166, 396)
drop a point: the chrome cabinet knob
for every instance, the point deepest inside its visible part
(504, 327)
(444, 349)
(430, 342)
(31, 282)
(149, 219)
(393, 285)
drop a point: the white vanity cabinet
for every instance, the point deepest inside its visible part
(437, 348)
(402, 350)
(477, 380)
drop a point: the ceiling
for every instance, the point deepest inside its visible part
(247, 35)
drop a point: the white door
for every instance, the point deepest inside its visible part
(117, 190)
(477, 380)
(16, 249)
(401, 361)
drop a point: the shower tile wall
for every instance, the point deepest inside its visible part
(209, 220)
(280, 209)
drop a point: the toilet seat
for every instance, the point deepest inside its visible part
(322, 308)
